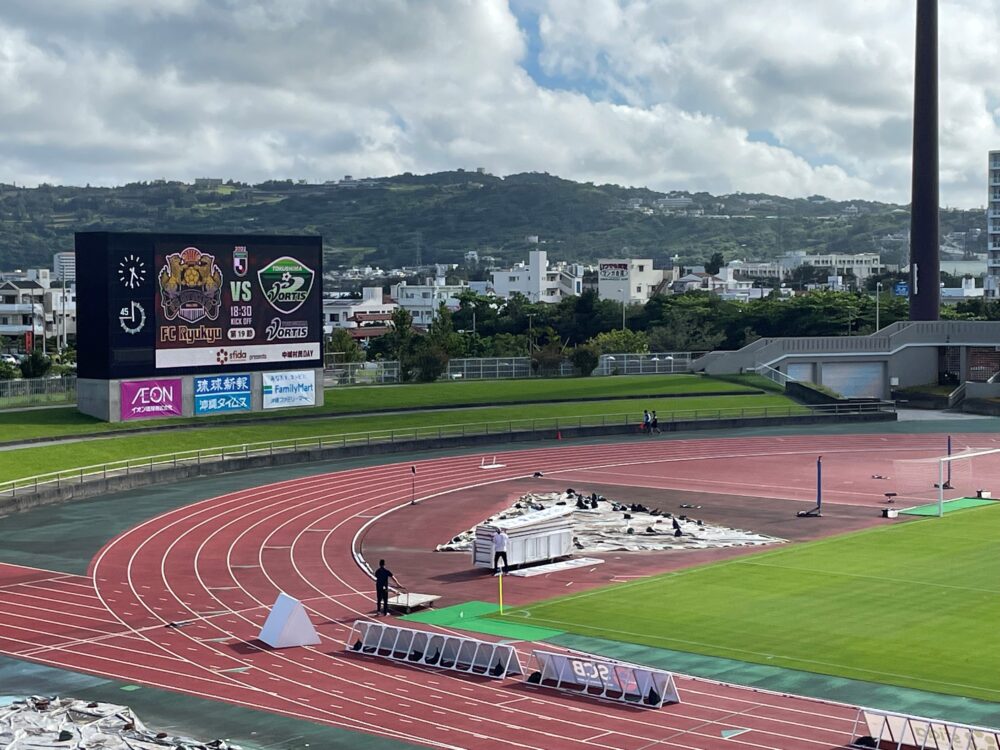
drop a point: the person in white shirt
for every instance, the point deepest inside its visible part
(500, 539)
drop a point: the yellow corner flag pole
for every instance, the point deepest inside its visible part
(500, 579)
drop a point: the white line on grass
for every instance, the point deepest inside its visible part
(570, 626)
(873, 578)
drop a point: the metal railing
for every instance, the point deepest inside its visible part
(549, 425)
(775, 376)
(37, 391)
(507, 368)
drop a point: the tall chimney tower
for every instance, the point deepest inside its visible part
(925, 261)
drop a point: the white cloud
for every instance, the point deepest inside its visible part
(665, 93)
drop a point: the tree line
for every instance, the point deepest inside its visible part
(580, 329)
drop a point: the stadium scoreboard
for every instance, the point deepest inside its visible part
(242, 311)
(162, 304)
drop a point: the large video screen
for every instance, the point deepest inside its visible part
(176, 304)
(223, 305)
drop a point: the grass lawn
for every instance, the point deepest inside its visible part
(361, 399)
(30, 461)
(913, 605)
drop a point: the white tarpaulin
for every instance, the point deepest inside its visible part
(612, 526)
(42, 723)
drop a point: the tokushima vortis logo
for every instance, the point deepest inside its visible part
(286, 283)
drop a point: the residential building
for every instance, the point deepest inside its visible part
(630, 279)
(423, 300)
(374, 307)
(64, 267)
(992, 280)
(32, 310)
(537, 281)
(671, 203)
(22, 311)
(861, 265)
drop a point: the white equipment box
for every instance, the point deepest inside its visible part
(534, 537)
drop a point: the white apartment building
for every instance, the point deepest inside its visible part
(373, 308)
(631, 280)
(64, 267)
(991, 283)
(29, 304)
(861, 265)
(422, 300)
(537, 281)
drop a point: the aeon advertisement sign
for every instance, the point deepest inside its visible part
(151, 399)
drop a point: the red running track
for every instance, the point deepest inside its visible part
(218, 564)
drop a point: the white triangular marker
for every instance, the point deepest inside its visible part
(288, 625)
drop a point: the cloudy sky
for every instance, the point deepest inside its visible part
(783, 96)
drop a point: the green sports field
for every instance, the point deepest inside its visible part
(915, 605)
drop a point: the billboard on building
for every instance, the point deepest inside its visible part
(284, 390)
(166, 304)
(612, 271)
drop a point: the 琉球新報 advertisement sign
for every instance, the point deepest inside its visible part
(151, 399)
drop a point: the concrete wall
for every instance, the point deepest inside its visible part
(140, 477)
(93, 398)
(914, 366)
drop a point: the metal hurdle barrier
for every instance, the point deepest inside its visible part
(605, 678)
(874, 728)
(422, 648)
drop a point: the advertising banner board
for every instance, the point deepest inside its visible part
(151, 399)
(221, 394)
(283, 390)
(613, 271)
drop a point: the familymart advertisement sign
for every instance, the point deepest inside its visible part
(284, 390)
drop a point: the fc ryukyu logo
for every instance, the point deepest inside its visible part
(286, 283)
(241, 263)
(190, 286)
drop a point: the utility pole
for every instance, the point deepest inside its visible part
(530, 333)
(878, 298)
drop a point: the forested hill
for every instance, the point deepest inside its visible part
(406, 219)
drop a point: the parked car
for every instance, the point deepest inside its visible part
(9, 359)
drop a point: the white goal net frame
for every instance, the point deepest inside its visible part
(931, 477)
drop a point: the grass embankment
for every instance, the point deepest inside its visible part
(365, 399)
(30, 461)
(913, 605)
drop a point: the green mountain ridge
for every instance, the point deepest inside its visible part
(409, 219)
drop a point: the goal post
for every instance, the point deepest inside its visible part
(936, 480)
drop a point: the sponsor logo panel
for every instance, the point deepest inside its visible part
(226, 355)
(151, 399)
(220, 394)
(283, 390)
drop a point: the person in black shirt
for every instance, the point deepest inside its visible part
(382, 577)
